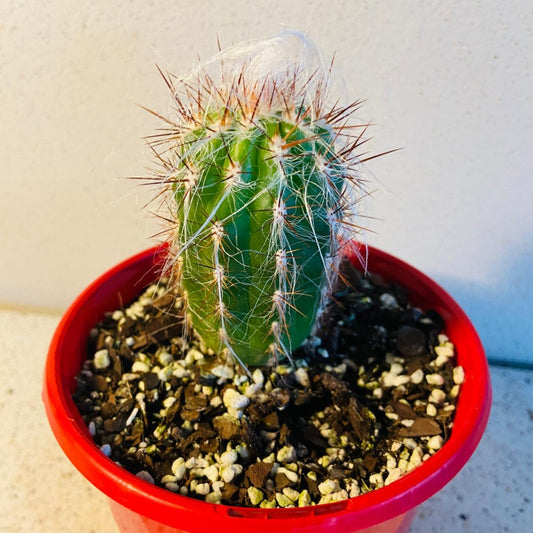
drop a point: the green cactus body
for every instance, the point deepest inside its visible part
(255, 215)
(263, 199)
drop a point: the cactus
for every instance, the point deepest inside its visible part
(263, 180)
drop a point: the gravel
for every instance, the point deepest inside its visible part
(366, 400)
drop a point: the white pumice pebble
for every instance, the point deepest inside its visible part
(101, 359)
(323, 353)
(458, 375)
(145, 476)
(441, 360)
(267, 504)
(106, 450)
(376, 479)
(257, 377)
(178, 468)
(354, 490)
(117, 315)
(136, 310)
(196, 354)
(201, 462)
(235, 402)
(229, 457)
(211, 473)
(227, 473)
(454, 391)
(388, 300)
(159, 431)
(215, 401)
(431, 410)
(378, 393)
(444, 350)
(416, 458)
(409, 443)
(174, 487)
(395, 446)
(243, 451)
(291, 476)
(240, 380)
(180, 372)
(304, 499)
(169, 478)
(223, 372)
(287, 454)
(328, 486)
(202, 489)
(282, 500)
(252, 390)
(396, 369)
(403, 465)
(417, 376)
(435, 379)
(139, 367)
(293, 467)
(256, 496)
(334, 497)
(165, 358)
(340, 370)
(394, 474)
(291, 493)
(169, 401)
(399, 381)
(393, 380)
(302, 377)
(165, 373)
(437, 396)
(217, 486)
(435, 442)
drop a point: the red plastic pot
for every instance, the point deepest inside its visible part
(141, 507)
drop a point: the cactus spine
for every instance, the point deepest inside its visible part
(261, 179)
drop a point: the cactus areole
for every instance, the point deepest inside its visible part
(263, 183)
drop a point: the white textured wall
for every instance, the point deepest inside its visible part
(448, 81)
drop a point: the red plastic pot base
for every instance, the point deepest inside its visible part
(131, 522)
